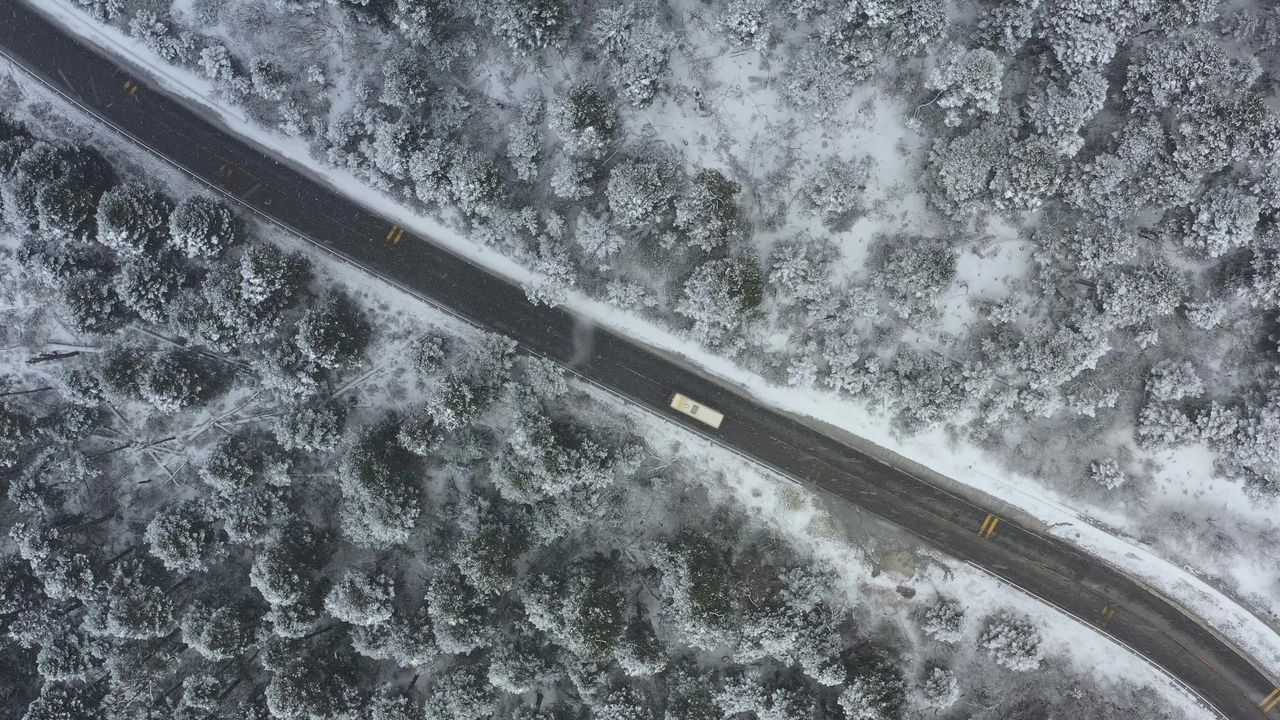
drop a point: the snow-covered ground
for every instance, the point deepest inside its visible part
(1110, 535)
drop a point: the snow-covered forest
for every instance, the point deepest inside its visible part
(234, 489)
(1045, 227)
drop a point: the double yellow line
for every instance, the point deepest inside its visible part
(395, 234)
(131, 87)
(1269, 702)
(989, 526)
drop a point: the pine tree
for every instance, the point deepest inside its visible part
(746, 23)
(718, 296)
(221, 629)
(1221, 221)
(461, 693)
(544, 459)
(361, 597)
(1012, 642)
(173, 380)
(406, 639)
(460, 617)
(968, 84)
(707, 213)
(492, 540)
(940, 688)
(147, 283)
(944, 621)
(695, 591)
(1107, 473)
(203, 228)
(834, 193)
(91, 304)
(55, 189)
(912, 272)
(284, 568)
(131, 606)
(876, 691)
(389, 703)
(1173, 380)
(429, 351)
(527, 26)
(641, 190)
(64, 570)
(332, 333)
(381, 499)
(524, 138)
(519, 665)
(132, 219)
(65, 701)
(68, 655)
(183, 537)
(638, 47)
(640, 653)
(16, 429)
(586, 119)
(318, 682)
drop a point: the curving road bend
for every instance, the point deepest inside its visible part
(1223, 676)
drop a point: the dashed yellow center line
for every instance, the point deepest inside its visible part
(989, 526)
(1269, 702)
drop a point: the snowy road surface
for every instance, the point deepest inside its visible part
(1050, 569)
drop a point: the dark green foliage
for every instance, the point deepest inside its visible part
(381, 497)
(332, 333)
(133, 219)
(204, 228)
(55, 189)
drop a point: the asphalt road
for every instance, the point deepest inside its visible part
(1050, 569)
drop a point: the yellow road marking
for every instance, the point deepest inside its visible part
(392, 231)
(399, 235)
(1108, 612)
(131, 87)
(1269, 702)
(989, 526)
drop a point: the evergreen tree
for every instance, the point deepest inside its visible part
(707, 213)
(331, 332)
(718, 296)
(183, 537)
(1012, 642)
(203, 228)
(147, 283)
(131, 606)
(586, 120)
(940, 688)
(361, 597)
(173, 380)
(641, 190)
(132, 219)
(309, 427)
(284, 569)
(221, 629)
(461, 693)
(460, 617)
(317, 682)
(968, 84)
(943, 621)
(381, 499)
